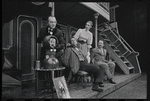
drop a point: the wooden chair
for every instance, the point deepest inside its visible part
(82, 77)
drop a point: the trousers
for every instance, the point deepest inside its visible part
(107, 68)
(92, 69)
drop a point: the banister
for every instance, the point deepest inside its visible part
(125, 44)
(105, 5)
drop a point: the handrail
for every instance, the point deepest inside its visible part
(113, 7)
(125, 44)
(105, 5)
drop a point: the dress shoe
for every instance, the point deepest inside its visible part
(101, 84)
(111, 81)
(97, 88)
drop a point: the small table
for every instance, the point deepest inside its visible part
(49, 75)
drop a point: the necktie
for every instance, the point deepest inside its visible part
(102, 51)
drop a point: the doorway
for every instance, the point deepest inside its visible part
(27, 47)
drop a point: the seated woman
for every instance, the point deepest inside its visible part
(75, 60)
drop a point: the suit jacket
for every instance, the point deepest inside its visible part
(96, 55)
(56, 32)
(71, 59)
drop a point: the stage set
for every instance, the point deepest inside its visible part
(23, 77)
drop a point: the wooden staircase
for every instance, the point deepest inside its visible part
(119, 49)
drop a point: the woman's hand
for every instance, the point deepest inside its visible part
(88, 57)
(88, 53)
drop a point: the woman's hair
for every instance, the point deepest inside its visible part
(91, 23)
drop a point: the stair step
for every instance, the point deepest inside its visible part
(113, 46)
(107, 40)
(103, 35)
(125, 61)
(128, 64)
(123, 58)
(131, 67)
(117, 51)
(107, 32)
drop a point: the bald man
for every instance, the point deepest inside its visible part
(51, 29)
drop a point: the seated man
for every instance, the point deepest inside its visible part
(75, 60)
(98, 56)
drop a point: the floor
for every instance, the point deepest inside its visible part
(136, 89)
(121, 80)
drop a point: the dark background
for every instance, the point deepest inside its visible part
(132, 21)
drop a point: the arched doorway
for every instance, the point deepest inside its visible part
(27, 47)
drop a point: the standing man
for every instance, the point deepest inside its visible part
(51, 29)
(100, 57)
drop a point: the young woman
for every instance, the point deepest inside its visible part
(85, 39)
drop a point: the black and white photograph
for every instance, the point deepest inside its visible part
(74, 50)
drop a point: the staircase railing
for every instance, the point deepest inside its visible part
(120, 38)
(105, 5)
(127, 57)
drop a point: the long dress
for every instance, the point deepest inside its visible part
(85, 39)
